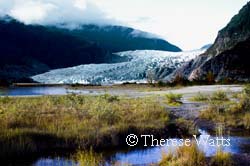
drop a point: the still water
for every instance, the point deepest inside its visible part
(153, 155)
(40, 90)
(239, 144)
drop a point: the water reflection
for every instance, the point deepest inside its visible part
(55, 162)
(38, 91)
(153, 155)
(239, 144)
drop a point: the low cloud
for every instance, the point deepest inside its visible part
(51, 12)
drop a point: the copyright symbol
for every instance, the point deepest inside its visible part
(132, 140)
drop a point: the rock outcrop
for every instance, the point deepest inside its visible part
(228, 58)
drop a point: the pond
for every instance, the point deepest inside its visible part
(41, 90)
(239, 144)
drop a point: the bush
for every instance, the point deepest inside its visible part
(216, 96)
(88, 158)
(150, 76)
(246, 89)
(221, 159)
(234, 114)
(110, 98)
(174, 99)
(219, 96)
(244, 103)
(188, 126)
(180, 80)
(200, 97)
(184, 156)
(40, 124)
(210, 78)
(161, 84)
(246, 120)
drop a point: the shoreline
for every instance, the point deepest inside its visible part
(180, 111)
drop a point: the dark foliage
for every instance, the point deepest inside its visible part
(118, 38)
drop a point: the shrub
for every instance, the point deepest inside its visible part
(184, 156)
(221, 159)
(216, 96)
(110, 98)
(234, 114)
(173, 99)
(88, 158)
(210, 78)
(74, 121)
(244, 103)
(150, 76)
(200, 97)
(226, 80)
(219, 96)
(161, 84)
(246, 120)
(180, 80)
(187, 126)
(246, 89)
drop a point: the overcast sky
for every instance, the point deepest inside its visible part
(187, 24)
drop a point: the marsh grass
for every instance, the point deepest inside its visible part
(29, 125)
(173, 99)
(217, 96)
(246, 89)
(187, 126)
(222, 159)
(192, 156)
(200, 97)
(234, 113)
(184, 156)
(88, 158)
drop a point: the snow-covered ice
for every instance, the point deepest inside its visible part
(135, 70)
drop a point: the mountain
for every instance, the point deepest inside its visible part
(119, 38)
(31, 49)
(27, 50)
(228, 58)
(207, 46)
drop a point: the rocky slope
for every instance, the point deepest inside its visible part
(228, 58)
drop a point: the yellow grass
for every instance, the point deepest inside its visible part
(31, 124)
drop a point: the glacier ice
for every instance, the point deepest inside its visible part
(134, 70)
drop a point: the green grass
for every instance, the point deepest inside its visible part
(173, 99)
(29, 125)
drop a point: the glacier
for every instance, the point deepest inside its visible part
(136, 69)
